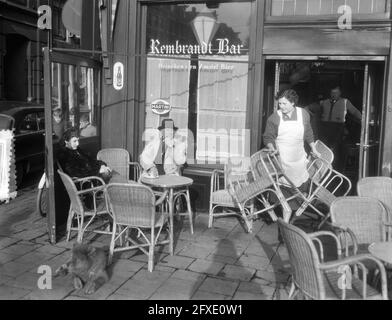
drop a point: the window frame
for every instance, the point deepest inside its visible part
(357, 18)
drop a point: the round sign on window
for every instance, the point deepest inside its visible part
(160, 107)
(118, 76)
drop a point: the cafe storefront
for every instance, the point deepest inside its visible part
(218, 65)
(215, 66)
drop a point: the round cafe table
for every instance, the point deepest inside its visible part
(169, 183)
(382, 251)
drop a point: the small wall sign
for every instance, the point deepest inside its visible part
(118, 76)
(160, 107)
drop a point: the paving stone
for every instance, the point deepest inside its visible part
(30, 234)
(4, 278)
(162, 268)
(27, 280)
(18, 249)
(176, 289)
(6, 257)
(224, 287)
(49, 249)
(237, 272)
(228, 250)
(205, 295)
(188, 275)
(205, 266)
(54, 294)
(242, 295)
(196, 251)
(75, 298)
(222, 259)
(120, 297)
(35, 259)
(136, 289)
(101, 293)
(14, 269)
(12, 293)
(6, 242)
(157, 277)
(273, 277)
(125, 266)
(252, 261)
(177, 262)
(140, 257)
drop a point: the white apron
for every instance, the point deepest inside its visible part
(290, 143)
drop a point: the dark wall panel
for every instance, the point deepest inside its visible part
(325, 41)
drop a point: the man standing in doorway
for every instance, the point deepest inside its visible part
(333, 119)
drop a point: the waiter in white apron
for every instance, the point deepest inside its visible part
(287, 131)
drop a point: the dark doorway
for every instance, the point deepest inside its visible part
(362, 84)
(15, 67)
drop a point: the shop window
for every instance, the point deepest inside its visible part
(197, 65)
(327, 7)
(75, 99)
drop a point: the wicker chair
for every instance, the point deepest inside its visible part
(222, 197)
(133, 206)
(85, 217)
(320, 280)
(326, 184)
(119, 160)
(268, 167)
(361, 221)
(379, 188)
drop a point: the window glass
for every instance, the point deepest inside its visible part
(74, 99)
(87, 95)
(197, 71)
(29, 124)
(326, 7)
(41, 120)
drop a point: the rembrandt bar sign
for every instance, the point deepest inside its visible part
(224, 47)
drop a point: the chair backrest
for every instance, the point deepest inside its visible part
(237, 169)
(379, 188)
(76, 203)
(265, 167)
(365, 217)
(132, 204)
(304, 261)
(325, 152)
(117, 159)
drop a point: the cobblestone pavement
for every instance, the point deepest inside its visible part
(223, 263)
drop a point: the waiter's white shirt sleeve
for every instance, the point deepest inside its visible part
(149, 154)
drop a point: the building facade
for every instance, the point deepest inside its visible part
(21, 44)
(214, 67)
(218, 64)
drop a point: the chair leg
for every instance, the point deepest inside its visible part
(211, 216)
(69, 223)
(80, 231)
(188, 203)
(151, 251)
(112, 243)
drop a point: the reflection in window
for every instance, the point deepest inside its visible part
(326, 7)
(29, 124)
(198, 62)
(74, 99)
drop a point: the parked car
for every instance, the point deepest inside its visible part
(28, 120)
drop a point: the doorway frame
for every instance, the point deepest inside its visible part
(356, 58)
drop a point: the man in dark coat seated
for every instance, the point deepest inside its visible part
(76, 163)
